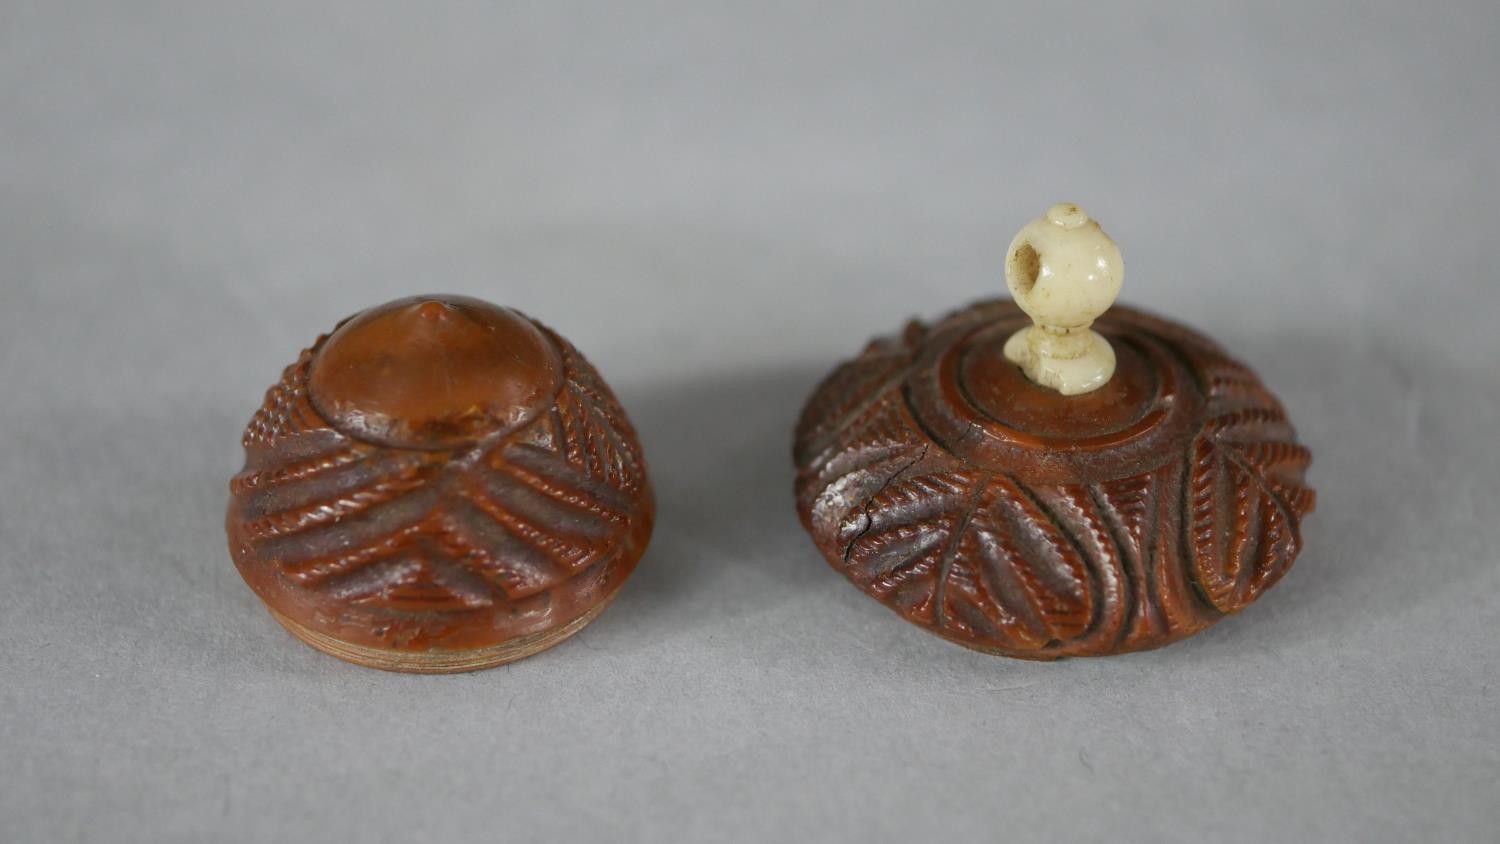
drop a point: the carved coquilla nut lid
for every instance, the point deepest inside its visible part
(439, 485)
(1049, 476)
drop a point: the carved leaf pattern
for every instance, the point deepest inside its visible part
(852, 391)
(989, 560)
(971, 553)
(439, 532)
(1245, 496)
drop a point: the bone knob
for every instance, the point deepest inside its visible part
(1064, 272)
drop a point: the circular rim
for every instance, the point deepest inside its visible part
(941, 404)
(440, 661)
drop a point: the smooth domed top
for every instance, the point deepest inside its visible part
(434, 372)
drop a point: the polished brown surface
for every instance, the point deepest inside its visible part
(433, 373)
(439, 485)
(1009, 518)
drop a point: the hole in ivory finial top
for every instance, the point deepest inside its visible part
(1064, 272)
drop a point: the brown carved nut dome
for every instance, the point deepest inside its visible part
(1011, 519)
(439, 485)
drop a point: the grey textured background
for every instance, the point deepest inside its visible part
(717, 202)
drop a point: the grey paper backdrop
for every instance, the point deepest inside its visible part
(717, 202)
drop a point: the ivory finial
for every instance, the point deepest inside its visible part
(1064, 272)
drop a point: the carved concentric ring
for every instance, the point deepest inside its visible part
(1150, 407)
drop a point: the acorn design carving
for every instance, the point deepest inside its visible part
(1007, 516)
(439, 485)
